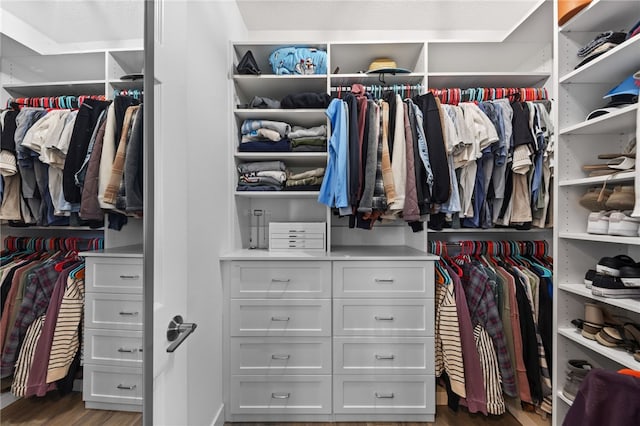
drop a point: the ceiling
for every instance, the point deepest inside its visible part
(447, 16)
(58, 26)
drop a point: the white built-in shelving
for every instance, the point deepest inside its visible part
(580, 141)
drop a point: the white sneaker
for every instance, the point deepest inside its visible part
(620, 223)
(598, 223)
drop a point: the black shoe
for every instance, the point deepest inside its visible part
(630, 276)
(613, 287)
(588, 277)
(611, 265)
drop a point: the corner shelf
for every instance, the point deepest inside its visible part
(617, 355)
(487, 79)
(600, 238)
(581, 290)
(617, 122)
(620, 177)
(625, 56)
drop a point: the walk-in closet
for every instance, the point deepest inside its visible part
(268, 211)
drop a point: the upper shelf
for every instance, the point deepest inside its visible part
(278, 86)
(611, 67)
(600, 238)
(632, 305)
(377, 79)
(618, 122)
(60, 88)
(466, 80)
(602, 15)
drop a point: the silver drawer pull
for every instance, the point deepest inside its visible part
(125, 387)
(279, 318)
(385, 356)
(130, 314)
(384, 395)
(280, 356)
(379, 318)
(129, 277)
(280, 395)
(128, 351)
(280, 280)
(297, 230)
(383, 280)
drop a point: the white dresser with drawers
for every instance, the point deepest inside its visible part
(113, 329)
(330, 337)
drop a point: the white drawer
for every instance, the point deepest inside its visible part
(394, 317)
(383, 355)
(113, 311)
(296, 317)
(277, 279)
(281, 355)
(113, 347)
(114, 275)
(280, 395)
(118, 385)
(296, 244)
(383, 279)
(384, 394)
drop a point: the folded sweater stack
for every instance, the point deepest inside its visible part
(308, 180)
(262, 176)
(313, 139)
(264, 136)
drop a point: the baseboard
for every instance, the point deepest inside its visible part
(7, 399)
(219, 418)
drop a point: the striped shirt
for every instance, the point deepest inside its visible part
(25, 357)
(490, 372)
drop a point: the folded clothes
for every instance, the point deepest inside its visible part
(283, 145)
(309, 148)
(313, 180)
(602, 38)
(259, 166)
(261, 134)
(249, 125)
(634, 31)
(308, 173)
(252, 187)
(301, 132)
(274, 174)
(306, 100)
(317, 141)
(261, 102)
(262, 180)
(598, 51)
(302, 188)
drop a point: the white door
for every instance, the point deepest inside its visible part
(167, 228)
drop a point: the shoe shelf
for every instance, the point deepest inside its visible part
(632, 305)
(625, 56)
(600, 238)
(618, 355)
(619, 122)
(600, 14)
(620, 177)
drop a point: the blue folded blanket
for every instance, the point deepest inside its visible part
(298, 60)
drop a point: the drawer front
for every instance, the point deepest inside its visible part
(113, 347)
(391, 355)
(280, 355)
(399, 317)
(296, 243)
(383, 279)
(114, 275)
(285, 280)
(114, 311)
(280, 395)
(298, 317)
(297, 236)
(118, 385)
(384, 394)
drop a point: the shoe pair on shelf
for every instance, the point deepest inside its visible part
(621, 197)
(618, 223)
(614, 277)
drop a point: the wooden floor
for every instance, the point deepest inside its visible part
(69, 410)
(53, 410)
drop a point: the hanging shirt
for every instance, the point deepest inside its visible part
(333, 191)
